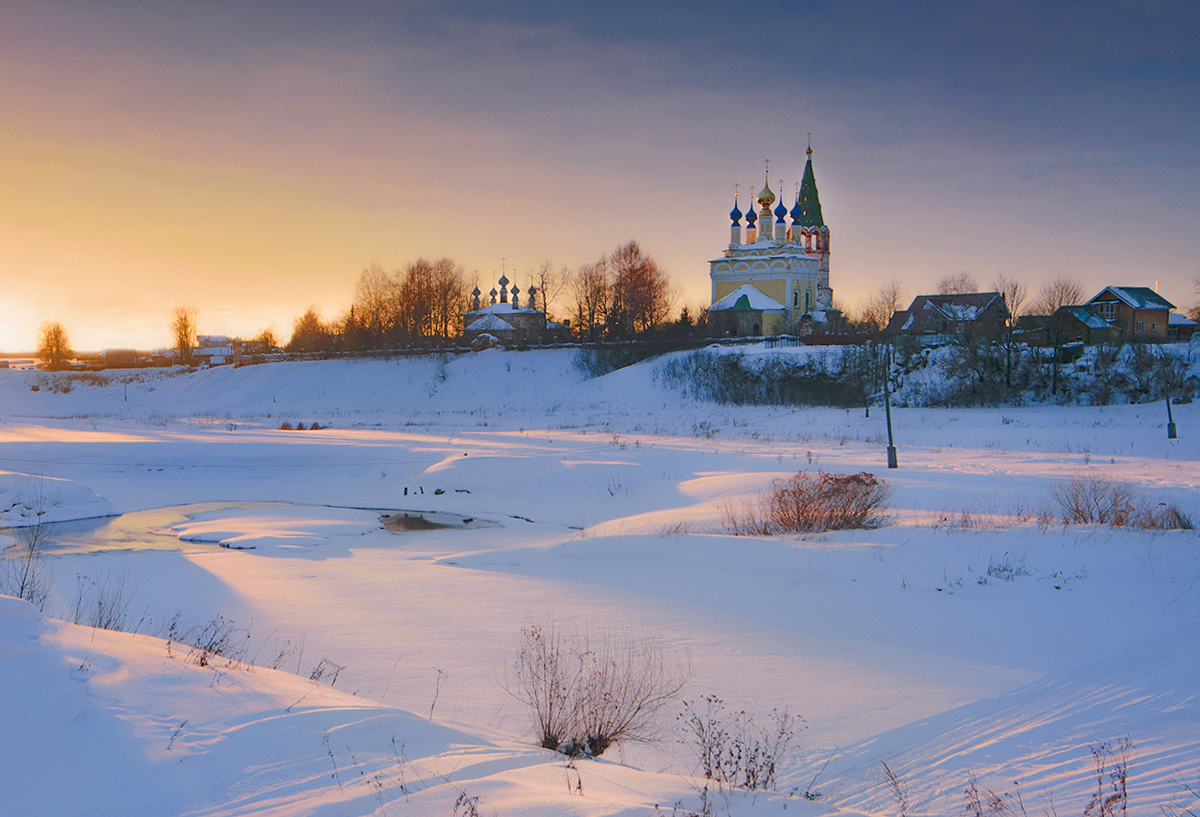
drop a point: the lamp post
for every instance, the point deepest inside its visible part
(1166, 378)
(887, 409)
(884, 363)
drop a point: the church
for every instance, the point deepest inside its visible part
(510, 323)
(774, 277)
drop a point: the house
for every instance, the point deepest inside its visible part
(214, 350)
(119, 358)
(1139, 313)
(1180, 327)
(937, 319)
(1078, 324)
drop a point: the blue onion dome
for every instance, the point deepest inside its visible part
(751, 217)
(503, 281)
(780, 211)
(735, 215)
(797, 211)
(476, 292)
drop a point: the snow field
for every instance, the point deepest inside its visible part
(962, 638)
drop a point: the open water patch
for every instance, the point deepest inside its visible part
(236, 525)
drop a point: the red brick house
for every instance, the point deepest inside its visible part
(1138, 313)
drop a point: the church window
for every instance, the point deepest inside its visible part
(1141, 326)
(808, 299)
(796, 298)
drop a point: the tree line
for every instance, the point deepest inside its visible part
(622, 295)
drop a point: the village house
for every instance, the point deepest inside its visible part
(934, 320)
(1138, 313)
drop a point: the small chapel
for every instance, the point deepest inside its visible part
(508, 321)
(773, 279)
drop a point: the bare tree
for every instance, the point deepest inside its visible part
(375, 302)
(1014, 294)
(641, 296)
(960, 284)
(54, 349)
(590, 291)
(426, 299)
(879, 308)
(183, 329)
(448, 290)
(550, 283)
(1062, 291)
(1194, 312)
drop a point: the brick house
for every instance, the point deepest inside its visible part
(1138, 313)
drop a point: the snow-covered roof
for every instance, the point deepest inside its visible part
(1179, 319)
(960, 312)
(490, 323)
(1137, 297)
(747, 296)
(502, 309)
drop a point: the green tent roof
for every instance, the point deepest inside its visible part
(810, 202)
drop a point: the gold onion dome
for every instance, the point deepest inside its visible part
(766, 198)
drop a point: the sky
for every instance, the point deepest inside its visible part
(249, 159)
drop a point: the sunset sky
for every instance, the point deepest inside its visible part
(250, 158)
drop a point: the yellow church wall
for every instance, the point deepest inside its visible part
(774, 324)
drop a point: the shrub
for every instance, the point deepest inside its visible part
(23, 572)
(1089, 499)
(217, 642)
(104, 604)
(818, 379)
(584, 696)
(597, 361)
(809, 503)
(736, 750)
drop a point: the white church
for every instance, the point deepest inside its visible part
(774, 277)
